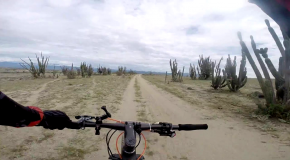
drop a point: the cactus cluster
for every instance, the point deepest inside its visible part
(204, 69)
(192, 71)
(218, 81)
(121, 71)
(33, 69)
(86, 70)
(281, 75)
(176, 75)
(234, 82)
(104, 70)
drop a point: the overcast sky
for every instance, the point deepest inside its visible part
(140, 34)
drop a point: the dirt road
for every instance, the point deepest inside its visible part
(226, 139)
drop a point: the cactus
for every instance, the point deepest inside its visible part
(165, 76)
(71, 74)
(233, 81)
(84, 69)
(34, 70)
(121, 71)
(192, 72)
(109, 71)
(218, 81)
(78, 71)
(104, 70)
(54, 72)
(282, 88)
(204, 70)
(176, 75)
(268, 82)
(64, 70)
(90, 70)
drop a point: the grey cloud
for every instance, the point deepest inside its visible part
(142, 35)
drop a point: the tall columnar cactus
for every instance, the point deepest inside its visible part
(165, 76)
(280, 75)
(54, 72)
(218, 81)
(192, 71)
(90, 70)
(233, 81)
(270, 89)
(84, 69)
(204, 69)
(33, 69)
(109, 71)
(176, 75)
(78, 71)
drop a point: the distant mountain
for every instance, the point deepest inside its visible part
(17, 66)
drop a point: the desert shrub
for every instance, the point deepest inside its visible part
(71, 74)
(64, 70)
(275, 110)
(131, 72)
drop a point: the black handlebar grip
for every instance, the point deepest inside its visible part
(189, 127)
(73, 125)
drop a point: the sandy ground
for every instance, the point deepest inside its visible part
(226, 139)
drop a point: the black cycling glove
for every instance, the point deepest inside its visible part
(54, 119)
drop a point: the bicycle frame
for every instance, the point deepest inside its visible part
(128, 145)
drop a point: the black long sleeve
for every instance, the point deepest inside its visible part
(14, 114)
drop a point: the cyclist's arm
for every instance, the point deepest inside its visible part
(17, 115)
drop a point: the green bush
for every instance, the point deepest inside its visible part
(275, 110)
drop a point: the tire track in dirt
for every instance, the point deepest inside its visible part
(34, 95)
(127, 112)
(225, 139)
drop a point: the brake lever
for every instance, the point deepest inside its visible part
(83, 119)
(166, 131)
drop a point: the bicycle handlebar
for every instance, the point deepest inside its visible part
(144, 126)
(189, 127)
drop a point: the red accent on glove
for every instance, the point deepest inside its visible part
(34, 123)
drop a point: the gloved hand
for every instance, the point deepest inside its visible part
(54, 119)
